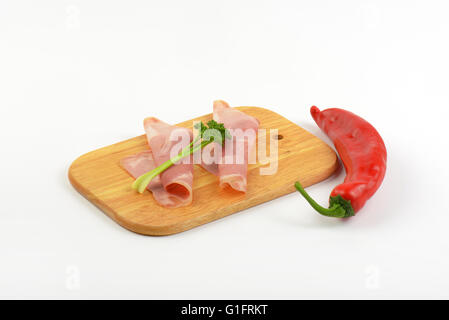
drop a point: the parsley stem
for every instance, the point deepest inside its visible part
(141, 183)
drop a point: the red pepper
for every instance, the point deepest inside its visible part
(364, 157)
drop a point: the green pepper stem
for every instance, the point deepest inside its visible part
(336, 211)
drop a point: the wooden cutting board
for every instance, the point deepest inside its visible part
(98, 176)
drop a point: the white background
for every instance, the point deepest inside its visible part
(78, 75)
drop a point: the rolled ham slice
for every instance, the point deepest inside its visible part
(233, 167)
(172, 188)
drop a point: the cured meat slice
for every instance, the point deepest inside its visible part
(141, 163)
(173, 187)
(178, 179)
(232, 169)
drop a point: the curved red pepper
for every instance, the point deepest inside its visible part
(364, 157)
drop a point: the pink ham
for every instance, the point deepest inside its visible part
(172, 188)
(141, 163)
(232, 169)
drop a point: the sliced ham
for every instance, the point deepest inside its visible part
(141, 163)
(173, 187)
(233, 167)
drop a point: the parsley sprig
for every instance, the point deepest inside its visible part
(207, 133)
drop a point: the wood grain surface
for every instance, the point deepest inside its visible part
(98, 176)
